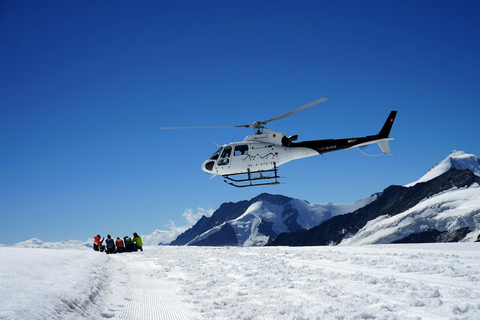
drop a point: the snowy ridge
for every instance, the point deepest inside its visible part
(206, 234)
(447, 211)
(457, 159)
(443, 209)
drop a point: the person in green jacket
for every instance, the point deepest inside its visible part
(137, 242)
(128, 244)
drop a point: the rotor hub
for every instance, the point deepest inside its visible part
(259, 124)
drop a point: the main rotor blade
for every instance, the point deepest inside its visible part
(200, 127)
(311, 104)
(257, 124)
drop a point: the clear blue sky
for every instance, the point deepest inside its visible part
(86, 85)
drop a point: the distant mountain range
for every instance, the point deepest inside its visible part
(442, 206)
(258, 221)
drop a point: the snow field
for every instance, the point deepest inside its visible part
(373, 282)
(434, 281)
(51, 284)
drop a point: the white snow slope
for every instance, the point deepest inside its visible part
(458, 159)
(447, 211)
(434, 281)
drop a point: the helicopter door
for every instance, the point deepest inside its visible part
(240, 159)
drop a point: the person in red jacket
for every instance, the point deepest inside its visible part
(97, 243)
(120, 245)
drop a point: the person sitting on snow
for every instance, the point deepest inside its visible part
(128, 244)
(120, 245)
(97, 243)
(137, 242)
(110, 245)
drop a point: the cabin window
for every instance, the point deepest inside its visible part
(241, 150)
(227, 151)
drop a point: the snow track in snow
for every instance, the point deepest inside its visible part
(145, 296)
(149, 302)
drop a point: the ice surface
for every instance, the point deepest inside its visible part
(434, 281)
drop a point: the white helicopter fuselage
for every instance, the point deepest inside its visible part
(255, 153)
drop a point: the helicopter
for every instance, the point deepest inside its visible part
(255, 160)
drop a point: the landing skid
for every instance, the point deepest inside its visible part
(253, 177)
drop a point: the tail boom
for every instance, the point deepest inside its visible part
(330, 145)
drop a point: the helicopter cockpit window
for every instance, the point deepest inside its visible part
(227, 151)
(216, 154)
(241, 150)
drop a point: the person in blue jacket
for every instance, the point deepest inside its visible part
(110, 244)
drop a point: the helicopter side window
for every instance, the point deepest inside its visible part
(226, 152)
(241, 150)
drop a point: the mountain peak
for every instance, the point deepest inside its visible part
(272, 198)
(460, 160)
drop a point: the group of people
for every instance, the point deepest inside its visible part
(126, 244)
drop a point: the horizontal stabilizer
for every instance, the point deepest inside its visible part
(383, 144)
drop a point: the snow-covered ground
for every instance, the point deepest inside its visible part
(423, 281)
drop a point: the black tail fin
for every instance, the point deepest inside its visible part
(388, 125)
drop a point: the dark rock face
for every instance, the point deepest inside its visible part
(433, 235)
(224, 237)
(394, 200)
